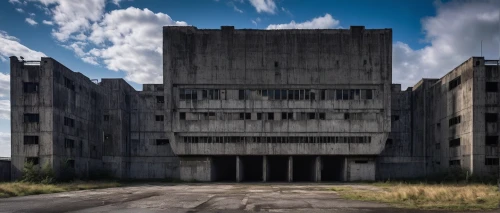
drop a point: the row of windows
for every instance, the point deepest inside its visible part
(276, 94)
(225, 139)
(260, 116)
(454, 121)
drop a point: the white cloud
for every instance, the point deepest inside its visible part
(20, 10)
(47, 22)
(453, 36)
(10, 46)
(5, 144)
(326, 21)
(32, 14)
(15, 2)
(4, 85)
(266, 6)
(237, 9)
(5, 109)
(256, 21)
(31, 21)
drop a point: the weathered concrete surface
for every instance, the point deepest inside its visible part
(197, 198)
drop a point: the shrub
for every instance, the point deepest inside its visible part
(33, 174)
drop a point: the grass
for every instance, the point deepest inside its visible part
(14, 189)
(427, 196)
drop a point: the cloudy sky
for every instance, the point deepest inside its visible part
(122, 38)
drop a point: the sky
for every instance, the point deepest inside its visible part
(123, 38)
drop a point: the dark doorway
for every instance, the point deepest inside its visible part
(252, 168)
(278, 168)
(332, 168)
(303, 168)
(224, 168)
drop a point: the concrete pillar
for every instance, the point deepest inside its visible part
(239, 169)
(317, 169)
(290, 169)
(265, 169)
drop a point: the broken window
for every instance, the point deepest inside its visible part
(491, 86)
(455, 142)
(159, 118)
(31, 118)
(69, 122)
(30, 87)
(68, 143)
(454, 83)
(30, 140)
(33, 160)
(160, 99)
(491, 161)
(491, 141)
(160, 142)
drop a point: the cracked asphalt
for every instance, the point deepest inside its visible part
(193, 198)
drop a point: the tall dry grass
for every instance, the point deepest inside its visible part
(451, 197)
(22, 188)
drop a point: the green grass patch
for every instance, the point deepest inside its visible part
(428, 196)
(22, 189)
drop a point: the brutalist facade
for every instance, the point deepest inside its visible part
(259, 105)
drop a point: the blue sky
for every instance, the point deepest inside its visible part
(113, 38)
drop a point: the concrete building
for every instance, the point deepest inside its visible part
(258, 105)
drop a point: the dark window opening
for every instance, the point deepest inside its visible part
(283, 94)
(491, 117)
(107, 137)
(311, 115)
(160, 99)
(369, 94)
(270, 116)
(276, 64)
(454, 162)
(31, 118)
(71, 164)
(30, 140)
(68, 143)
(33, 160)
(182, 115)
(161, 142)
(159, 118)
(455, 142)
(395, 117)
(454, 83)
(454, 121)
(241, 94)
(491, 86)
(259, 116)
(346, 116)
(106, 117)
(182, 94)
(360, 161)
(491, 141)
(491, 161)
(69, 122)
(69, 84)
(322, 116)
(30, 87)
(388, 142)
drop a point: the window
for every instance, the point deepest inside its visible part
(107, 137)
(438, 146)
(159, 118)
(296, 94)
(160, 99)
(307, 92)
(454, 121)
(345, 94)
(311, 115)
(369, 94)
(106, 117)
(360, 161)
(270, 116)
(30, 140)
(322, 116)
(259, 116)
(71, 164)
(31, 118)
(68, 143)
(241, 94)
(454, 83)
(182, 115)
(455, 142)
(69, 122)
(245, 116)
(313, 95)
(491, 141)
(30, 87)
(283, 94)
(491, 161)
(33, 160)
(395, 117)
(69, 84)
(161, 142)
(182, 94)
(491, 117)
(491, 86)
(454, 162)
(286, 115)
(388, 142)
(275, 64)
(346, 116)
(277, 94)
(159, 88)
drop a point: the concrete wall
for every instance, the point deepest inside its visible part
(195, 168)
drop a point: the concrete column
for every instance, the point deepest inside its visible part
(290, 169)
(239, 169)
(317, 169)
(265, 169)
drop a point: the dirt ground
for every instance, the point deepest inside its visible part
(191, 198)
